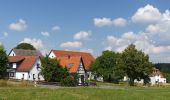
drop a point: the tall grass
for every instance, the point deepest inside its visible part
(3, 83)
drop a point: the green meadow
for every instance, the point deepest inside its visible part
(85, 93)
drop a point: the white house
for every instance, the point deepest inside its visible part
(24, 65)
(24, 68)
(76, 62)
(157, 77)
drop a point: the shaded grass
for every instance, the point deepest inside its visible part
(84, 93)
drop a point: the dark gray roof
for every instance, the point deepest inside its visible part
(22, 52)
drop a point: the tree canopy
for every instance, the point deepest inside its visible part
(136, 64)
(107, 65)
(3, 62)
(52, 70)
(25, 46)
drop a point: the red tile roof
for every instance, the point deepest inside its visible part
(15, 58)
(86, 57)
(157, 72)
(72, 63)
(23, 52)
(26, 64)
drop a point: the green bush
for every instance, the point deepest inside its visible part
(69, 81)
(167, 76)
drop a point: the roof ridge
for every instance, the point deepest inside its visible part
(71, 51)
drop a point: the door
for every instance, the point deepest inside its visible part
(82, 79)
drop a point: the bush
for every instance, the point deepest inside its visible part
(167, 76)
(69, 81)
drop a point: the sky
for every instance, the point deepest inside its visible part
(88, 25)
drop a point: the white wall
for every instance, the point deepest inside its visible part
(157, 79)
(12, 53)
(52, 55)
(81, 71)
(35, 71)
(29, 75)
(19, 75)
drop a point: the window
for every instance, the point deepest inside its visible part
(38, 66)
(11, 74)
(33, 76)
(38, 76)
(70, 65)
(22, 76)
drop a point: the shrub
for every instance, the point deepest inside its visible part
(69, 81)
(167, 76)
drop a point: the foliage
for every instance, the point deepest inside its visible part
(52, 70)
(167, 76)
(137, 65)
(25, 46)
(107, 65)
(3, 62)
(69, 80)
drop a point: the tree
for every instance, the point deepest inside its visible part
(167, 76)
(106, 66)
(52, 70)
(3, 62)
(25, 46)
(136, 64)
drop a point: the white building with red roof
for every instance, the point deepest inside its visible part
(76, 62)
(157, 77)
(25, 65)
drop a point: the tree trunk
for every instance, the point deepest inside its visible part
(131, 81)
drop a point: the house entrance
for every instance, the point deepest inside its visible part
(82, 79)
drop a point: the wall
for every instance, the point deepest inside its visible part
(19, 75)
(52, 55)
(81, 71)
(35, 71)
(12, 53)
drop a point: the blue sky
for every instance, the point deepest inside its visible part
(88, 25)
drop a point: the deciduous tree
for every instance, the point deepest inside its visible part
(25, 46)
(137, 64)
(3, 62)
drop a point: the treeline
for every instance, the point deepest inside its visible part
(131, 62)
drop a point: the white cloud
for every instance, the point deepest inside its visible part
(111, 40)
(56, 28)
(74, 44)
(82, 35)
(147, 14)
(87, 50)
(102, 22)
(119, 22)
(154, 40)
(37, 43)
(45, 33)
(141, 40)
(18, 26)
(5, 34)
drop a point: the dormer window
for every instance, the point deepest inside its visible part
(70, 65)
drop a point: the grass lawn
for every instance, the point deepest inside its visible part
(85, 93)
